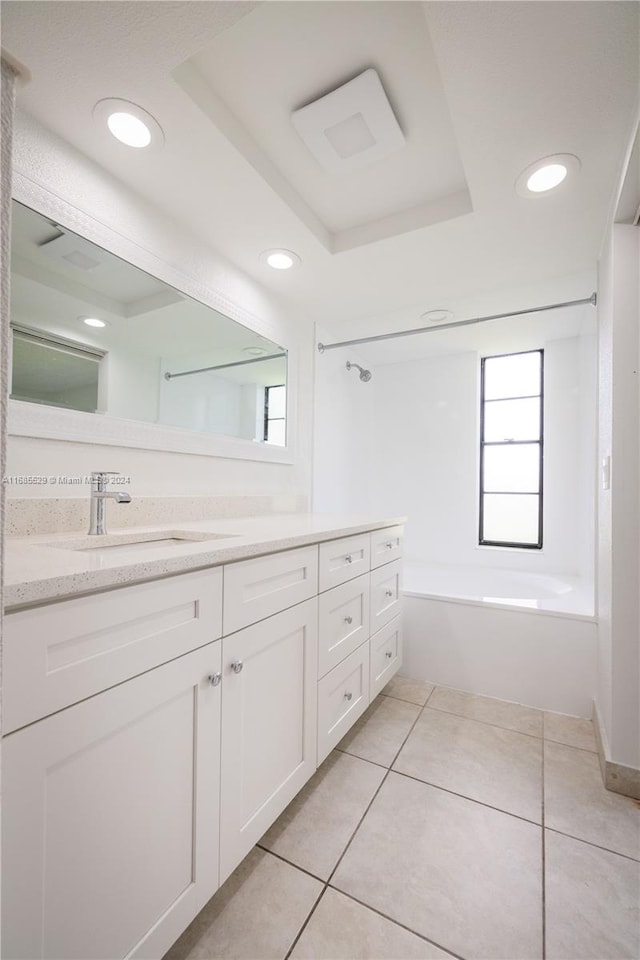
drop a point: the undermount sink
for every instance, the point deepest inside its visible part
(126, 543)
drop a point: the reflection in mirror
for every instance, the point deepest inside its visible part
(151, 353)
(54, 371)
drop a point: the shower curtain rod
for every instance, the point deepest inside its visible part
(456, 323)
(223, 366)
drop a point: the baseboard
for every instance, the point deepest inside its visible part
(616, 776)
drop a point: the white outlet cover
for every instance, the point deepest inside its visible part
(350, 127)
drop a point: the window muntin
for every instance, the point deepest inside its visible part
(275, 411)
(511, 450)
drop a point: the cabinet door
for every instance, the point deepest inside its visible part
(269, 701)
(110, 818)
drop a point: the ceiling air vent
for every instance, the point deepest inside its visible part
(350, 127)
(72, 250)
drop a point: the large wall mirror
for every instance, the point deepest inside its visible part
(95, 334)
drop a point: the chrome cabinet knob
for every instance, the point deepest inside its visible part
(348, 619)
(348, 695)
(389, 546)
(237, 666)
(349, 558)
(214, 679)
(388, 593)
(388, 654)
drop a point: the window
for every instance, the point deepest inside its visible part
(275, 410)
(54, 371)
(511, 450)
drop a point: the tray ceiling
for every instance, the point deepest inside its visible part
(250, 80)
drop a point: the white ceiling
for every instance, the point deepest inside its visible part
(509, 83)
(249, 80)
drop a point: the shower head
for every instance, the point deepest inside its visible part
(365, 375)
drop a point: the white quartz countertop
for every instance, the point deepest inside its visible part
(39, 569)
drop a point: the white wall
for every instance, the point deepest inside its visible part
(44, 159)
(210, 402)
(343, 437)
(618, 697)
(425, 462)
(407, 444)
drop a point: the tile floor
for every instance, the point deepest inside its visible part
(444, 825)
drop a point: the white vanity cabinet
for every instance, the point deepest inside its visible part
(110, 817)
(157, 730)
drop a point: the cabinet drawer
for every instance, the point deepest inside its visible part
(343, 696)
(386, 545)
(256, 589)
(385, 594)
(58, 654)
(343, 622)
(342, 560)
(385, 655)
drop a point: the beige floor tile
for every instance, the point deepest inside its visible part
(573, 731)
(342, 928)
(316, 827)
(501, 713)
(576, 802)
(381, 730)
(465, 876)
(592, 902)
(256, 914)
(486, 763)
(403, 688)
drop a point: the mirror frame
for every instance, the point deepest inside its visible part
(52, 423)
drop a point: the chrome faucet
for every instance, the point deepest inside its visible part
(99, 497)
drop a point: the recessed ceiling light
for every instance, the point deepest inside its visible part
(93, 321)
(129, 123)
(546, 174)
(547, 177)
(436, 316)
(129, 129)
(280, 259)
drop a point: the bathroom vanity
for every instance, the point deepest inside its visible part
(160, 711)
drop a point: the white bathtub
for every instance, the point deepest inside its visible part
(530, 638)
(512, 588)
